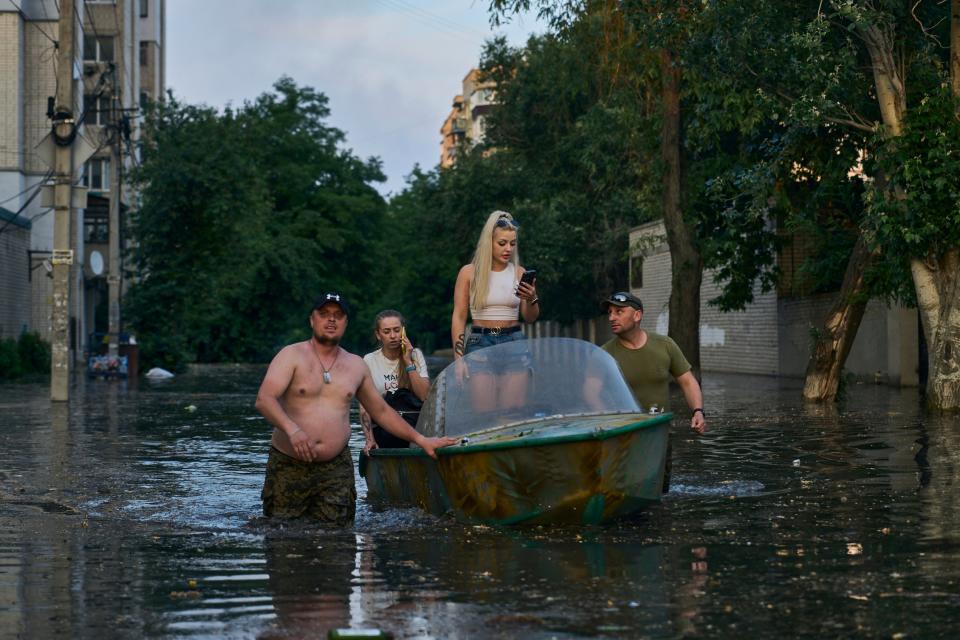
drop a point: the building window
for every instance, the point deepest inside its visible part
(97, 49)
(96, 174)
(144, 8)
(96, 110)
(144, 53)
(636, 272)
(96, 228)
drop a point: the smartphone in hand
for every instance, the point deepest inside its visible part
(529, 276)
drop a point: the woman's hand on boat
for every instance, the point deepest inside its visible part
(430, 445)
(369, 445)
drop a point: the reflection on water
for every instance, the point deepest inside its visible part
(129, 514)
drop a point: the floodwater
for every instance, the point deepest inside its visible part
(127, 515)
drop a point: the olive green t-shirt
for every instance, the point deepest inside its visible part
(648, 370)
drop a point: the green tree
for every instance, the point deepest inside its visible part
(841, 68)
(566, 153)
(432, 228)
(246, 215)
(656, 31)
(576, 120)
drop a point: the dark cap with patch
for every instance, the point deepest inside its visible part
(622, 299)
(335, 298)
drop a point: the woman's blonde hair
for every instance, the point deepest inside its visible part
(483, 257)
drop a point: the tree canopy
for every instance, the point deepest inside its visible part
(245, 216)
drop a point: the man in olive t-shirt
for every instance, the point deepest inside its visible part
(649, 360)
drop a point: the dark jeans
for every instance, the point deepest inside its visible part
(482, 364)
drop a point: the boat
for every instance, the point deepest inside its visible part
(565, 442)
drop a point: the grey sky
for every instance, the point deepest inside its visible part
(389, 67)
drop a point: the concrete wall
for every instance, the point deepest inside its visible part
(11, 94)
(39, 83)
(886, 348)
(742, 342)
(152, 30)
(14, 271)
(773, 335)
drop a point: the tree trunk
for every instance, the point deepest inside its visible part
(935, 278)
(687, 265)
(833, 342)
(938, 298)
(938, 287)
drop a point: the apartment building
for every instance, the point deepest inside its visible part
(119, 62)
(466, 124)
(453, 133)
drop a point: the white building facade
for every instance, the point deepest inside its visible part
(118, 63)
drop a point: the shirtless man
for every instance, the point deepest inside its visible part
(306, 396)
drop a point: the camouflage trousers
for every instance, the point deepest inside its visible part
(324, 491)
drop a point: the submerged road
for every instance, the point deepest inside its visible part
(129, 514)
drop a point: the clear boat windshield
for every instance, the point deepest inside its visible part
(524, 380)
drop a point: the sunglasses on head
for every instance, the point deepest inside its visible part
(619, 297)
(507, 223)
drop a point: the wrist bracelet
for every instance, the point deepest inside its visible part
(700, 409)
(535, 300)
(410, 368)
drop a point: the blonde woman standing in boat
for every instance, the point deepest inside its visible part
(492, 291)
(399, 372)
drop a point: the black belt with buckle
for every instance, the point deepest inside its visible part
(495, 331)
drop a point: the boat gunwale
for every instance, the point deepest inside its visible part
(534, 441)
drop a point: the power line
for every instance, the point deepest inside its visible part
(433, 21)
(26, 204)
(16, 195)
(56, 45)
(437, 18)
(34, 23)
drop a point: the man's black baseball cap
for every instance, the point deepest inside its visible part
(334, 297)
(622, 299)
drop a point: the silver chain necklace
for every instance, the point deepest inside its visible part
(326, 372)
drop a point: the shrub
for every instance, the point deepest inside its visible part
(9, 359)
(34, 353)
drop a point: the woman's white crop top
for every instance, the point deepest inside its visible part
(502, 300)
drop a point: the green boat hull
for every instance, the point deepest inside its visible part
(558, 470)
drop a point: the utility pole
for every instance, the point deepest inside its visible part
(64, 132)
(113, 277)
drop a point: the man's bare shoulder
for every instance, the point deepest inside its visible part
(352, 360)
(291, 354)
